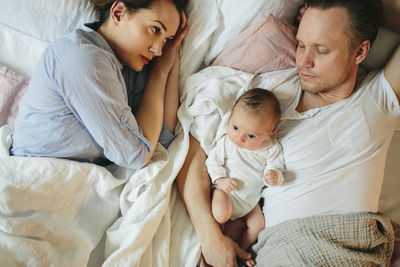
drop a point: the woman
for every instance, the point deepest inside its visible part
(77, 104)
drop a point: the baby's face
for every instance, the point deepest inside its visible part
(249, 130)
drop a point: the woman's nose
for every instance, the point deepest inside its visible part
(156, 48)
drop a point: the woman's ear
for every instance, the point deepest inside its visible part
(116, 11)
(362, 51)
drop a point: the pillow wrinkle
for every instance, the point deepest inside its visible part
(266, 45)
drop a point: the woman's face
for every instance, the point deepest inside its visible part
(140, 36)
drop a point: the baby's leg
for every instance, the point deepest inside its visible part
(255, 222)
(221, 206)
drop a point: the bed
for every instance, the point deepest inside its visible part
(57, 212)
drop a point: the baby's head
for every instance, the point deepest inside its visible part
(254, 118)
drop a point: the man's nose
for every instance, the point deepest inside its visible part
(307, 59)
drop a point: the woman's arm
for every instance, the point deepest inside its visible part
(150, 114)
(171, 99)
(194, 187)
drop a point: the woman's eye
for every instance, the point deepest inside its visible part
(155, 30)
(251, 136)
(235, 127)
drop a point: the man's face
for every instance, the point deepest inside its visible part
(323, 57)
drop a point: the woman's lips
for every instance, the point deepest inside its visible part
(145, 59)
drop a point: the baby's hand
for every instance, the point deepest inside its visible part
(227, 184)
(271, 177)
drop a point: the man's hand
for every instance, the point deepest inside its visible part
(226, 184)
(222, 252)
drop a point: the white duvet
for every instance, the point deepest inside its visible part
(56, 211)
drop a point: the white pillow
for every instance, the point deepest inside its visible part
(27, 27)
(202, 18)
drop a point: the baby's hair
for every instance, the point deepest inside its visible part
(259, 100)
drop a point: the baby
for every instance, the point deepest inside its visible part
(244, 160)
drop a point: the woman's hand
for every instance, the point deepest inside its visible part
(164, 63)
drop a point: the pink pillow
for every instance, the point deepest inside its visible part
(267, 44)
(12, 87)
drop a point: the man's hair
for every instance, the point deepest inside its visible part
(365, 17)
(259, 100)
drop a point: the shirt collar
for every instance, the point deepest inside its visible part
(93, 27)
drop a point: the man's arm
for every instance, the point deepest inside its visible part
(391, 20)
(391, 14)
(392, 72)
(194, 187)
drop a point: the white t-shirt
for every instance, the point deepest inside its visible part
(334, 155)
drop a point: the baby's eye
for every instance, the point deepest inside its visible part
(155, 29)
(251, 136)
(235, 127)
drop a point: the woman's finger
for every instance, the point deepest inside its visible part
(181, 35)
(183, 20)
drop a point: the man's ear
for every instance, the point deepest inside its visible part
(116, 11)
(362, 51)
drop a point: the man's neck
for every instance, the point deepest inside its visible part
(310, 100)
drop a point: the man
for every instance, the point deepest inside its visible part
(335, 132)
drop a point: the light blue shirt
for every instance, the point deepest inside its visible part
(76, 106)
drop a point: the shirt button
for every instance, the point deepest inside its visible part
(123, 119)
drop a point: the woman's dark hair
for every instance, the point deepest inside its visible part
(260, 100)
(104, 6)
(365, 17)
